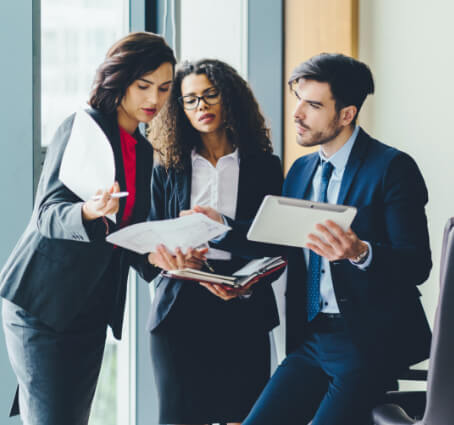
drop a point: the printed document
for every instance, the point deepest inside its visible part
(88, 162)
(190, 231)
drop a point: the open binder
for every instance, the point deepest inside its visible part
(256, 268)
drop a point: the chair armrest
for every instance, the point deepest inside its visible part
(391, 414)
(414, 375)
(412, 402)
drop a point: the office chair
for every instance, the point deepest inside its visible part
(439, 409)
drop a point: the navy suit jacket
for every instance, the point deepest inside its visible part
(381, 305)
(260, 175)
(60, 260)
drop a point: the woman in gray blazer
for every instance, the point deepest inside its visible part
(64, 284)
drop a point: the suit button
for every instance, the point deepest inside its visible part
(343, 300)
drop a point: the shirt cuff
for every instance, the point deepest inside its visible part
(246, 295)
(221, 237)
(366, 263)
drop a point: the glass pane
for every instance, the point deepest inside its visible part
(112, 403)
(75, 36)
(104, 410)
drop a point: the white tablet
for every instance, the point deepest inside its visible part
(288, 221)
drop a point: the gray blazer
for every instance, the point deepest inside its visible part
(59, 260)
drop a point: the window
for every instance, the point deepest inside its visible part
(114, 402)
(75, 37)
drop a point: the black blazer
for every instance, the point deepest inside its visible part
(260, 174)
(59, 260)
(381, 304)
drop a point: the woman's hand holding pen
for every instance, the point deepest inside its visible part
(103, 205)
(162, 258)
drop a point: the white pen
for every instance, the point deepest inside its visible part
(208, 266)
(112, 195)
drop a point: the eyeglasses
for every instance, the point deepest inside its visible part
(191, 101)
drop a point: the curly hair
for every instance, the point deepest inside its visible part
(127, 60)
(174, 137)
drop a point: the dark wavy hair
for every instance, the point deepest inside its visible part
(127, 60)
(173, 135)
(350, 80)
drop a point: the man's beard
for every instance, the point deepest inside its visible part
(320, 137)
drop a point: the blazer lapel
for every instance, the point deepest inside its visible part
(119, 167)
(353, 164)
(183, 187)
(243, 181)
(143, 194)
(247, 184)
(301, 186)
(110, 127)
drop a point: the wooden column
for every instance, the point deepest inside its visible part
(313, 27)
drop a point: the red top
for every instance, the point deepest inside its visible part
(128, 148)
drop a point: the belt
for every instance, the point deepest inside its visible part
(331, 315)
(327, 322)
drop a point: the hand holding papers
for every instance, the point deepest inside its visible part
(255, 269)
(184, 232)
(88, 162)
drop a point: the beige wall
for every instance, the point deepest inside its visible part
(409, 47)
(311, 27)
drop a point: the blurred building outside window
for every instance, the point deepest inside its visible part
(75, 36)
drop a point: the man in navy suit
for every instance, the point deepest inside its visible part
(354, 317)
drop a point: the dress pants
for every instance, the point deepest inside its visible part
(56, 371)
(326, 381)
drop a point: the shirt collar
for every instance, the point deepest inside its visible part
(340, 158)
(196, 156)
(126, 137)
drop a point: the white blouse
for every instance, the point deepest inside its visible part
(216, 187)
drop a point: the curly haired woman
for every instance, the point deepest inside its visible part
(210, 346)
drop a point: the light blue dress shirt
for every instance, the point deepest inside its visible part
(339, 161)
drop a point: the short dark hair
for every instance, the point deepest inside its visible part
(172, 133)
(350, 80)
(127, 60)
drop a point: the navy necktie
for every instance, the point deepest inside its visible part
(315, 261)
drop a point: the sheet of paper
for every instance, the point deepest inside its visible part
(185, 232)
(88, 162)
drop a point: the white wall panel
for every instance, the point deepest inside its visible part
(408, 45)
(214, 29)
